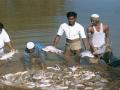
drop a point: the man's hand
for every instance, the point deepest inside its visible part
(108, 48)
(13, 50)
(56, 40)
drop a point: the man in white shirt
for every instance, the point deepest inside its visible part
(73, 31)
(4, 40)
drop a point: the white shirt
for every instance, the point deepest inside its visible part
(4, 37)
(72, 32)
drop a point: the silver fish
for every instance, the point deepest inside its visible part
(8, 55)
(54, 68)
(73, 68)
(44, 85)
(52, 49)
(88, 75)
(62, 87)
(100, 50)
(37, 76)
(86, 53)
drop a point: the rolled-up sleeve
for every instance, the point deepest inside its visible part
(82, 32)
(60, 31)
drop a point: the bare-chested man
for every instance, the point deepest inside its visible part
(98, 35)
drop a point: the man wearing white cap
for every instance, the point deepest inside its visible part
(98, 35)
(33, 51)
(4, 40)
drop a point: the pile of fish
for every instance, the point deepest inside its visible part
(56, 78)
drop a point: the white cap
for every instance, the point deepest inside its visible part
(30, 45)
(95, 16)
(1, 44)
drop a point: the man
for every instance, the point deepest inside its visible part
(33, 52)
(72, 31)
(4, 40)
(98, 35)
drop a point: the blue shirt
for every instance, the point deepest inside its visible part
(37, 52)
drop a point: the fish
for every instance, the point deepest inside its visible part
(73, 68)
(44, 85)
(21, 73)
(88, 75)
(8, 76)
(54, 68)
(86, 53)
(62, 87)
(30, 84)
(100, 50)
(37, 76)
(8, 55)
(46, 81)
(79, 85)
(6, 82)
(52, 49)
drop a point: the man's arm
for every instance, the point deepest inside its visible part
(84, 39)
(26, 60)
(10, 46)
(89, 37)
(85, 43)
(58, 36)
(56, 40)
(107, 37)
(7, 40)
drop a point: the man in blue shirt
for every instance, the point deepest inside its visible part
(33, 52)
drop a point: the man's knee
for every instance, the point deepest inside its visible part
(67, 56)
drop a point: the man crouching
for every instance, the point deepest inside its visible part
(33, 53)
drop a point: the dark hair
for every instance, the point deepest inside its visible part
(69, 14)
(28, 51)
(1, 25)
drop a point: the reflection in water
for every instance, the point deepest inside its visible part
(27, 13)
